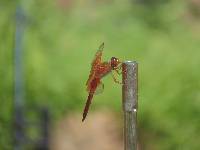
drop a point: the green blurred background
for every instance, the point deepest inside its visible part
(59, 43)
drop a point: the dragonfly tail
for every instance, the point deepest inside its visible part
(87, 105)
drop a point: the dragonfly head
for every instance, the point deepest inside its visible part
(114, 62)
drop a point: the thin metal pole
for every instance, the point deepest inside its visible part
(130, 100)
(18, 80)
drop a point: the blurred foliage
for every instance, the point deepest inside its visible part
(61, 38)
(7, 24)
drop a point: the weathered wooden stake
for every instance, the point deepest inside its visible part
(130, 98)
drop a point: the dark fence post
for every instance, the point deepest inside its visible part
(43, 143)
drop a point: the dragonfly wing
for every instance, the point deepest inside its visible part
(96, 61)
(97, 58)
(99, 88)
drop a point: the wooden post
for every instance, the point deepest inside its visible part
(130, 98)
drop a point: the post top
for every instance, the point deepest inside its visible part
(129, 62)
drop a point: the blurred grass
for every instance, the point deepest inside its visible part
(61, 40)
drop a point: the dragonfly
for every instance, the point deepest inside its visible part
(99, 70)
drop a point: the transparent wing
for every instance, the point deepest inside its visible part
(99, 89)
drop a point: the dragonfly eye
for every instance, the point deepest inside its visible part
(114, 62)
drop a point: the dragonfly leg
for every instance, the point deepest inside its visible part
(115, 80)
(118, 69)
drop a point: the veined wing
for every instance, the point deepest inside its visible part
(97, 58)
(99, 88)
(96, 61)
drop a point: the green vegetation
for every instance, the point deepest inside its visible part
(60, 41)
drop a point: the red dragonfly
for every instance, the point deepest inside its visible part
(99, 70)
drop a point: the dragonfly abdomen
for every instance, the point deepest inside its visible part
(92, 86)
